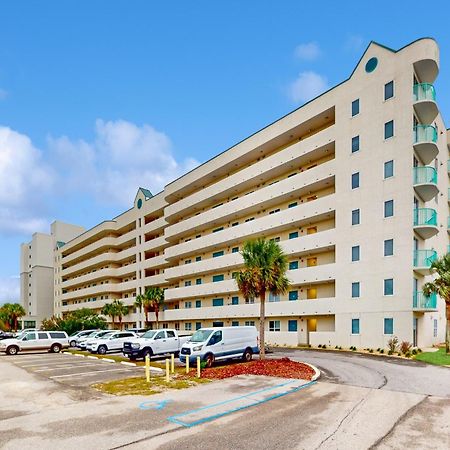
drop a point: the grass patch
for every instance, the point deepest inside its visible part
(139, 385)
(439, 358)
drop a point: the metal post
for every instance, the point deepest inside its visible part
(167, 370)
(198, 366)
(187, 364)
(172, 368)
(147, 368)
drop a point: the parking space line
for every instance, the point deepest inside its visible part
(91, 373)
(66, 367)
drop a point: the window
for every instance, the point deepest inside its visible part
(217, 254)
(355, 180)
(292, 205)
(293, 265)
(217, 301)
(235, 224)
(355, 253)
(235, 300)
(198, 325)
(355, 289)
(355, 144)
(188, 305)
(273, 298)
(165, 325)
(435, 327)
(187, 261)
(235, 250)
(218, 324)
(292, 325)
(389, 325)
(249, 323)
(355, 107)
(388, 247)
(187, 283)
(249, 219)
(188, 326)
(198, 281)
(293, 235)
(57, 335)
(389, 129)
(235, 323)
(42, 336)
(389, 286)
(250, 300)
(389, 208)
(198, 258)
(293, 295)
(274, 325)
(389, 90)
(198, 303)
(170, 334)
(274, 211)
(217, 278)
(217, 229)
(388, 169)
(355, 217)
(355, 326)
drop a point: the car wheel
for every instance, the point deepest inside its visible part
(247, 356)
(73, 343)
(147, 352)
(133, 358)
(102, 350)
(13, 350)
(209, 359)
(56, 348)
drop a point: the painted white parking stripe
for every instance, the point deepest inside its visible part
(80, 366)
(91, 373)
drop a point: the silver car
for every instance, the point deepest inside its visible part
(53, 341)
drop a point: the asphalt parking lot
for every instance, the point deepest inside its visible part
(71, 370)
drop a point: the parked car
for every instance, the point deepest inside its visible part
(139, 331)
(73, 338)
(83, 341)
(20, 333)
(110, 342)
(154, 342)
(221, 343)
(52, 341)
(6, 335)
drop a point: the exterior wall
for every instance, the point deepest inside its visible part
(290, 182)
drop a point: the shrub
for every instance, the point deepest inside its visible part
(324, 346)
(393, 344)
(371, 350)
(320, 346)
(408, 354)
(336, 347)
(419, 350)
(382, 350)
(390, 352)
(414, 351)
(405, 347)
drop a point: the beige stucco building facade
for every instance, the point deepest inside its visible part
(354, 187)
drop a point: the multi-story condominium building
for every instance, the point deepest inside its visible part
(37, 271)
(354, 187)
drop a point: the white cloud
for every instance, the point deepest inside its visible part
(308, 51)
(3, 94)
(308, 85)
(24, 181)
(9, 289)
(122, 157)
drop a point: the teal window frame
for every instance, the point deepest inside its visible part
(198, 281)
(388, 286)
(356, 253)
(356, 289)
(235, 323)
(198, 258)
(198, 303)
(389, 90)
(235, 300)
(355, 107)
(389, 129)
(389, 208)
(293, 235)
(293, 265)
(388, 325)
(292, 205)
(389, 169)
(356, 217)
(217, 278)
(355, 326)
(355, 180)
(217, 301)
(389, 247)
(293, 295)
(198, 325)
(235, 250)
(292, 326)
(217, 254)
(355, 144)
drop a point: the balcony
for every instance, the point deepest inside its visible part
(423, 303)
(422, 260)
(448, 167)
(424, 96)
(425, 142)
(448, 225)
(425, 182)
(425, 222)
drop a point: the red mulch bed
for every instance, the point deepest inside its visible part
(283, 367)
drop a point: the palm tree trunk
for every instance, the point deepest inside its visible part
(157, 318)
(447, 328)
(146, 317)
(262, 320)
(120, 323)
(15, 323)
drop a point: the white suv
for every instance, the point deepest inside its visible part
(110, 342)
(83, 341)
(52, 341)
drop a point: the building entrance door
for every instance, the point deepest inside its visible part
(415, 327)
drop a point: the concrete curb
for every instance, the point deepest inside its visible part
(107, 360)
(316, 371)
(125, 363)
(92, 357)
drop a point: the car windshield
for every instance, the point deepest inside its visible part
(93, 334)
(201, 335)
(102, 333)
(75, 334)
(149, 334)
(106, 335)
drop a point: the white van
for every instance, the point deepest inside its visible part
(220, 343)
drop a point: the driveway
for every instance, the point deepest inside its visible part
(381, 409)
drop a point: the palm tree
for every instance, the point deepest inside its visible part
(139, 303)
(13, 311)
(265, 271)
(120, 310)
(441, 286)
(110, 310)
(155, 295)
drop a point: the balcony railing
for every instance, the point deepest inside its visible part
(424, 91)
(421, 301)
(424, 133)
(424, 174)
(424, 258)
(425, 216)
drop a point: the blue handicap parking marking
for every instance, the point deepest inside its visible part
(157, 405)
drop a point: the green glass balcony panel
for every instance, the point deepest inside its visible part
(424, 174)
(448, 223)
(425, 216)
(448, 165)
(448, 248)
(425, 133)
(424, 91)
(421, 301)
(448, 194)
(424, 258)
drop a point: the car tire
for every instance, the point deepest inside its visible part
(73, 343)
(132, 358)
(55, 348)
(147, 351)
(209, 359)
(247, 356)
(102, 350)
(12, 350)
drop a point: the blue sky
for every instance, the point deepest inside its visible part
(98, 97)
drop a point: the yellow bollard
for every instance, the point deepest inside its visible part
(187, 364)
(147, 368)
(167, 371)
(198, 366)
(172, 368)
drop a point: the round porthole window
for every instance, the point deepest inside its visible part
(139, 203)
(371, 65)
